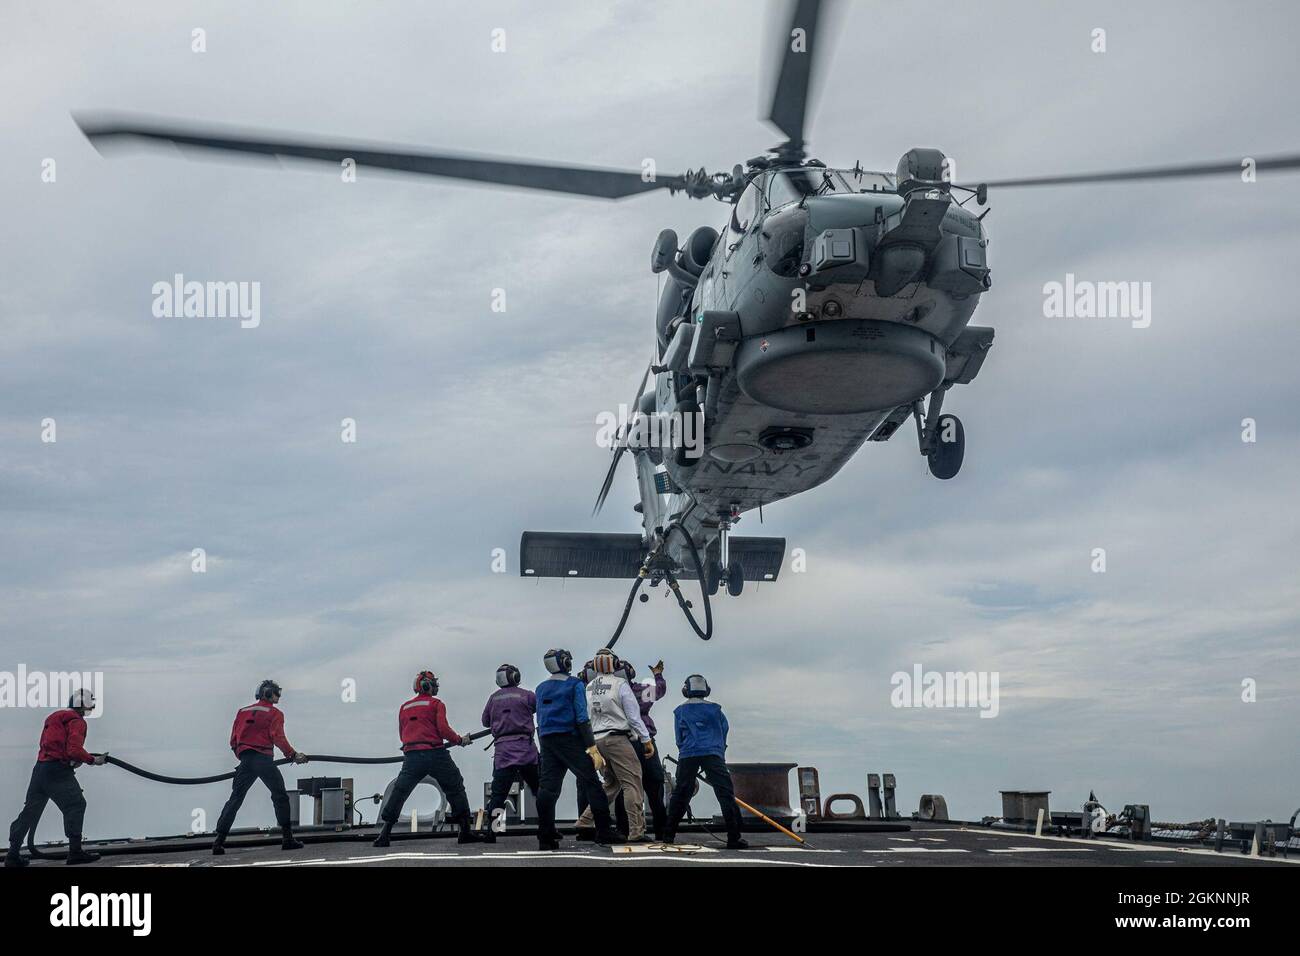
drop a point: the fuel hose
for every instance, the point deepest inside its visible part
(229, 775)
(704, 633)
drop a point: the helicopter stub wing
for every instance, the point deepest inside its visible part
(578, 554)
(966, 354)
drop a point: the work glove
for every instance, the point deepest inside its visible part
(649, 747)
(465, 741)
(100, 759)
(299, 757)
(596, 758)
(657, 668)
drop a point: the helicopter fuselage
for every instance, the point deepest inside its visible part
(822, 316)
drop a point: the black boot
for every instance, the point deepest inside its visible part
(219, 845)
(288, 842)
(76, 855)
(384, 833)
(467, 835)
(14, 858)
(609, 837)
(737, 843)
(551, 843)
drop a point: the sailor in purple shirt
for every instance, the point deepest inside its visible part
(646, 695)
(509, 715)
(652, 771)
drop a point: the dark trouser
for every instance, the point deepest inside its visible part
(718, 777)
(255, 766)
(652, 778)
(504, 778)
(560, 753)
(50, 781)
(436, 763)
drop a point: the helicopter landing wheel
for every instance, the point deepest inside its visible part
(735, 578)
(948, 448)
(714, 577)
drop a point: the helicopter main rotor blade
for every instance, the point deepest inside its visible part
(106, 130)
(621, 446)
(609, 478)
(790, 95)
(1186, 171)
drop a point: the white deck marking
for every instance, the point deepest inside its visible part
(793, 849)
(349, 860)
(532, 854)
(136, 866)
(747, 860)
(1095, 843)
(273, 862)
(1042, 849)
(916, 849)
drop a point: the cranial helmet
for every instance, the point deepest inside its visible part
(426, 682)
(695, 686)
(82, 700)
(268, 689)
(606, 661)
(508, 676)
(558, 661)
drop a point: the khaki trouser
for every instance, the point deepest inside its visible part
(622, 773)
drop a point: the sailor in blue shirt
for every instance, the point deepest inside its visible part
(701, 729)
(567, 744)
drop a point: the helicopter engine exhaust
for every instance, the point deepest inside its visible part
(698, 248)
(674, 301)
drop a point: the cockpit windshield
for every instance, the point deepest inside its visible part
(865, 181)
(792, 185)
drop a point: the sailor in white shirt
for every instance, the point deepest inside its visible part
(617, 726)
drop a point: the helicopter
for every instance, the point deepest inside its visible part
(832, 305)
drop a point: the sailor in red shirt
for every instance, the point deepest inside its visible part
(422, 725)
(258, 727)
(63, 747)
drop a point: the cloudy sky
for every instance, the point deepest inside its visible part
(329, 562)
